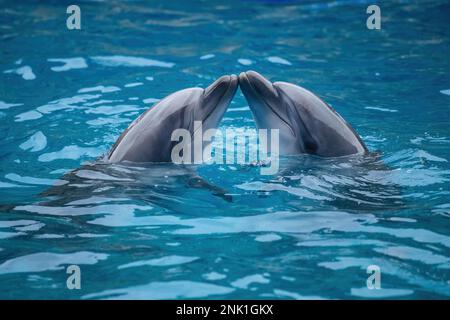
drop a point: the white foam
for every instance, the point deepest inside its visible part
(102, 89)
(34, 181)
(279, 60)
(109, 120)
(6, 235)
(244, 282)
(245, 62)
(207, 56)
(26, 72)
(94, 175)
(31, 227)
(160, 262)
(163, 290)
(72, 152)
(69, 64)
(294, 295)
(4, 105)
(130, 61)
(47, 261)
(238, 109)
(133, 84)
(29, 115)
(16, 223)
(110, 110)
(67, 103)
(150, 100)
(381, 109)
(270, 237)
(213, 276)
(8, 185)
(381, 293)
(36, 142)
(415, 254)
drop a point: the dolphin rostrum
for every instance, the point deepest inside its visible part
(305, 122)
(148, 138)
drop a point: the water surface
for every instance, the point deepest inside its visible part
(309, 231)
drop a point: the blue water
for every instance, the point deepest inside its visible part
(309, 231)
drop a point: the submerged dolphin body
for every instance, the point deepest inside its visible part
(306, 123)
(148, 138)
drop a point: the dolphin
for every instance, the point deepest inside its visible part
(148, 138)
(306, 123)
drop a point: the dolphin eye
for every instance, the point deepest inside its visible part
(310, 147)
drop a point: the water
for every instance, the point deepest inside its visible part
(310, 231)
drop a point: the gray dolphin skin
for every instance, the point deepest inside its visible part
(148, 138)
(306, 123)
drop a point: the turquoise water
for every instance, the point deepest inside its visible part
(309, 231)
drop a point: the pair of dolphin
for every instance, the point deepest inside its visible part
(306, 123)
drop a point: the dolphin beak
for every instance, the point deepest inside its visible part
(255, 87)
(262, 97)
(223, 88)
(217, 97)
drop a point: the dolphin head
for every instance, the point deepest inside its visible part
(148, 138)
(214, 101)
(306, 123)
